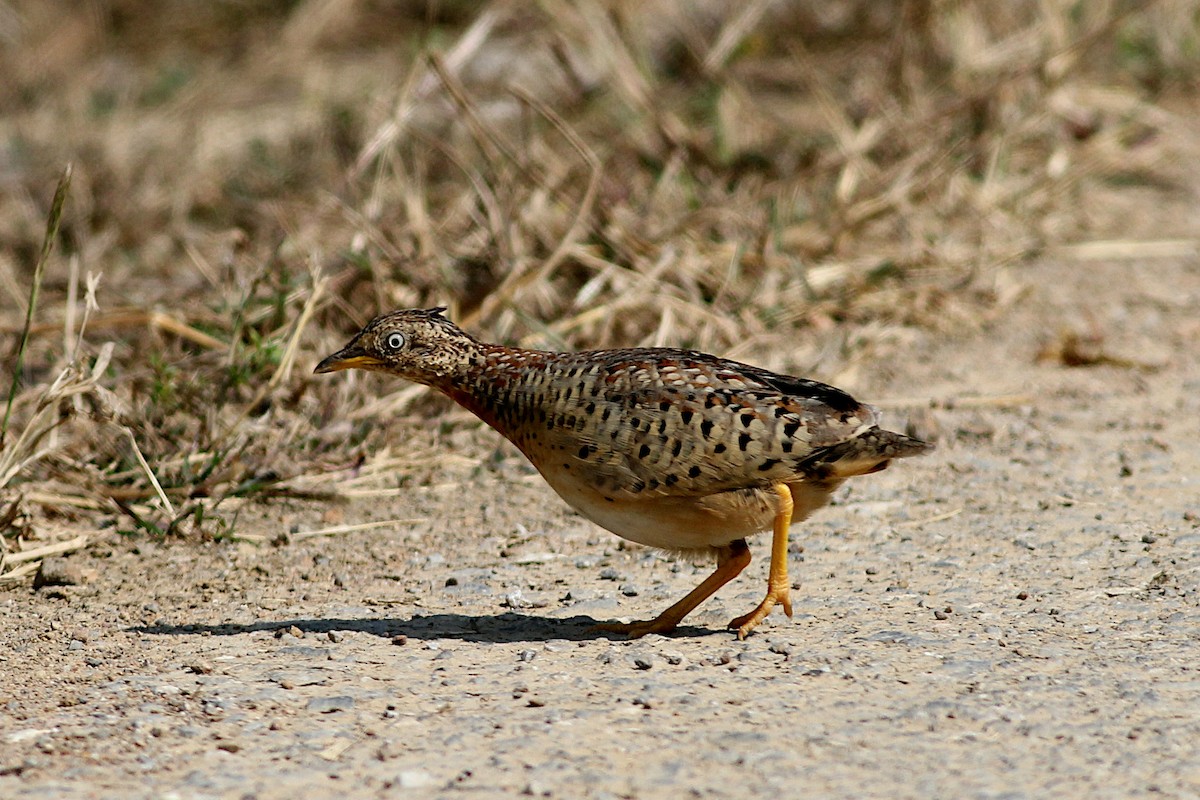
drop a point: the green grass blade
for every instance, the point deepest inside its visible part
(52, 223)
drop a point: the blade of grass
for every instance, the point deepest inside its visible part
(39, 271)
(137, 452)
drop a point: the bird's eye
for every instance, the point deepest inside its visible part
(394, 341)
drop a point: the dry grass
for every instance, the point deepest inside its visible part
(253, 181)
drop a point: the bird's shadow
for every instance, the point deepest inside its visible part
(506, 628)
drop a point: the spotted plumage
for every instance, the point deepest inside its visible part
(669, 448)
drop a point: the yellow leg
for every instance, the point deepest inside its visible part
(729, 564)
(778, 588)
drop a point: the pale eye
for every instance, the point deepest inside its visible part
(394, 341)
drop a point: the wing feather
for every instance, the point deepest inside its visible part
(688, 424)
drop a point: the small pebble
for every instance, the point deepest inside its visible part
(536, 789)
(57, 571)
(515, 600)
(414, 779)
(720, 659)
(335, 636)
(328, 705)
(400, 639)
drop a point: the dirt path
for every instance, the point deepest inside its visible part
(1015, 616)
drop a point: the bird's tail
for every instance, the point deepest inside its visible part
(868, 452)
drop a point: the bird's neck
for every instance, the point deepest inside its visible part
(488, 378)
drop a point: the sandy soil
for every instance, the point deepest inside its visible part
(1015, 616)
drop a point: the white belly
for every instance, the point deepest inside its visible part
(686, 523)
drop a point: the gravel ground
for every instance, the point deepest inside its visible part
(1015, 616)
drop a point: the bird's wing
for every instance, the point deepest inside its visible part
(718, 427)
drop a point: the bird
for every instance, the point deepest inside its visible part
(674, 449)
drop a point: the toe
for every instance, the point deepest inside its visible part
(634, 630)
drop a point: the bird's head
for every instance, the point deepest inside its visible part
(419, 345)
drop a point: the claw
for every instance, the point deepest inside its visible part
(748, 622)
(636, 630)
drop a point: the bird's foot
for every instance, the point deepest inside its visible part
(776, 594)
(636, 630)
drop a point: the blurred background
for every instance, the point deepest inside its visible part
(803, 184)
